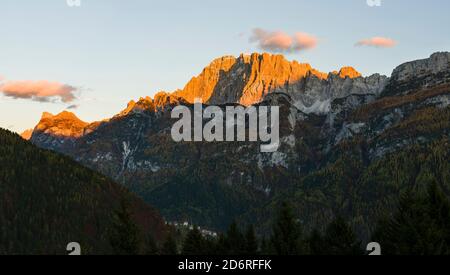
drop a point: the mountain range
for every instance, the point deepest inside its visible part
(341, 133)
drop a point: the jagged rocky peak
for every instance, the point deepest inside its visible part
(63, 115)
(349, 72)
(202, 86)
(55, 131)
(245, 79)
(435, 64)
(248, 79)
(424, 73)
(64, 124)
(273, 73)
(137, 107)
(67, 115)
(46, 115)
(164, 101)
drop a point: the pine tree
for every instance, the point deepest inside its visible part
(420, 226)
(287, 233)
(125, 236)
(234, 241)
(210, 246)
(439, 210)
(194, 243)
(151, 247)
(251, 242)
(266, 248)
(170, 246)
(340, 239)
(221, 245)
(316, 243)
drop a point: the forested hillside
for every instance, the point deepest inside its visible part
(48, 201)
(363, 193)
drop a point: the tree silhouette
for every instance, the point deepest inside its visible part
(287, 232)
(251, 242)
(234, 241)
(151, 247)
(316, 243)
(340, 239)
(125, 236)
(169, 246)
(420, 226)
(194, 243)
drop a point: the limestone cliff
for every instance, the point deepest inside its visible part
(248, 79)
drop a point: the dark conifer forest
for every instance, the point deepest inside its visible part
(48, 201)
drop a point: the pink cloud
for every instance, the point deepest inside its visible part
(304, 41)
(43, 90)
(279, 41)
(378, 42)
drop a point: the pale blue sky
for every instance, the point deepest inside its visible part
(118, 50)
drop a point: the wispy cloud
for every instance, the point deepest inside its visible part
(42, 90)
(378, 42)
(71, 107)
(278, 41)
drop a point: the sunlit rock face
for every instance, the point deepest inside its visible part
(56, 131)
(203, 85)
(249, 78)
(26, 135)
(254, 76)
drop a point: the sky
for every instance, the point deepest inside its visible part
(94, 58)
